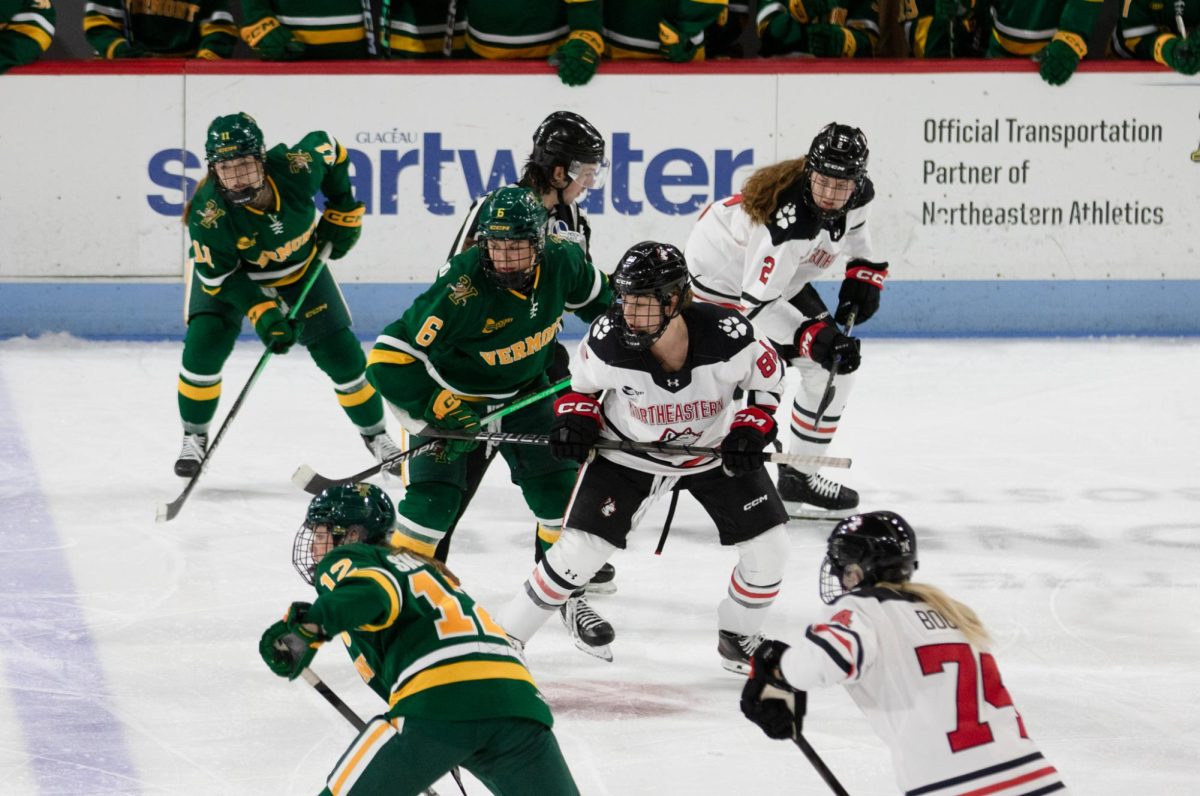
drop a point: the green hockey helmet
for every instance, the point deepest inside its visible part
(509, 216)
(235, 137)
(342, 514)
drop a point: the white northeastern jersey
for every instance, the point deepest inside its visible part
(936, 700)
(726, 368)
(756, 268)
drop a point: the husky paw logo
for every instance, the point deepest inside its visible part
(734, 327)
(602, 328)
(785, 216)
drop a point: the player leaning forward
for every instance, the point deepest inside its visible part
(482, 335)
(669, 371)
(759, 251)
(255, 234)
(456, 690)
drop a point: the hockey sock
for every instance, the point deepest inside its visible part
(341, 357)
(568, 565)
(206, 345)
(754, 583)
(807, 438)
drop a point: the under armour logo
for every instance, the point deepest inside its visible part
(672, 382)
(533, 308)
(276, 224)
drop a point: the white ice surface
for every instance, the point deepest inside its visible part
(1054, 486)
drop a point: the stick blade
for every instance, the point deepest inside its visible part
(167, 511)
(311, 481)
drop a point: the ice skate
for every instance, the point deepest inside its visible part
(603, 582)
(814, 497)
(735, 650)
(191, 456)
(590, 632)
(382, 448)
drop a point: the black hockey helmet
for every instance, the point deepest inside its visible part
(231, 137)
(648, 269)
(567, 139)
(838, 151)
(879, 546)
(362, 508)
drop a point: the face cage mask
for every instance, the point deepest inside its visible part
(246, 195)
(633, 339)
(520, 281)
(830, 586)
(826, 216)
(302, 555)
(590, 175)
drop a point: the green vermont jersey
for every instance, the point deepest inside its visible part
(1024, 27)
(1147, 25)
(531, 28)
(203, 28)
(783, 27)
(417, 28)
(476, 339)
(26, 29)
(237, 250)
(631, 29)
(327, 28)
(419, 641)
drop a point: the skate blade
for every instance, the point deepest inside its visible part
(805, 511)
(737, 667)
(606, 588)
(603, 652)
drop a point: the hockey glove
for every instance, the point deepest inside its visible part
(829, 41)
(827, 346)
(271, 41)
(673, 45)
(576, 427)
(767, 699)
(810, 10)
(752, 429)
(860, 288)
(288, 646)
(446, 410)
(1059, 60)
(127, 49)
(1182, 55)
(342, 228)
(577, 59)
(277, 332)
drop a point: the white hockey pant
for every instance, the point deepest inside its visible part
(566, 567)
(755, 582)
(808, 440)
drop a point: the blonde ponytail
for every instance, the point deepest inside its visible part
(760, 193)
(952, 610)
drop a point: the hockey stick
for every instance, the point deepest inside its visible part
(349, 715)
(819, 764)
(168, 511)
(368, 17)
(827, 398)
(448, 39)
(314, 483)
(632, 446)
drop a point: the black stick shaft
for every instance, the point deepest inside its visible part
(819, 765)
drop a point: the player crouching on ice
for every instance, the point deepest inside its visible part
(914, 661)
(669, 371)
(458, 694)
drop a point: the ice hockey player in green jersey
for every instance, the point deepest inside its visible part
(254, 234)
(1158, 30)
(289, 30)
(482, 335)
(570, 32)
(1052, 31)
(945, 28)
(824, 28)
(670, 29)
(139, 28)
(457, 693)
(26, 29)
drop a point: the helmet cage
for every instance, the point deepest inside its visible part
(876, 547)
(303, 558)
(234, 137)
(362, 508)
(839, 152)
(511, 214)
(648, 269)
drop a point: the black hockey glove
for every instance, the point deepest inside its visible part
(825, 345)
(860, 288)
(767, 699)
(288, 646)
(576, 427)
(752, 429)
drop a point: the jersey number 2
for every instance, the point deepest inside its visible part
(970, 732)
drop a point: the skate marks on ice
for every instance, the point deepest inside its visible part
(615, 700)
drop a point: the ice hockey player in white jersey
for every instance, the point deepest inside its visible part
(658, 368)
(916, 663)
(759, 252)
